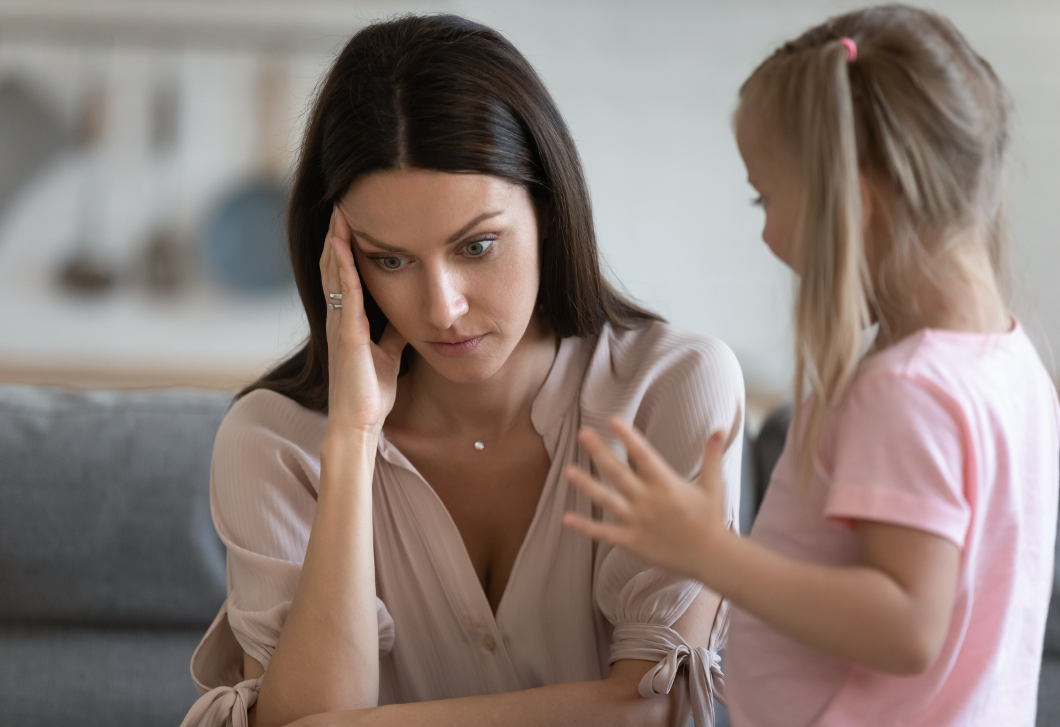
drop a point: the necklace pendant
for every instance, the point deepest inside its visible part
(480, 446)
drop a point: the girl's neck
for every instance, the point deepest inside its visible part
(958, 293)
(428, 403)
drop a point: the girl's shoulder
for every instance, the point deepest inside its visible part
(937, 375)
(959, 361)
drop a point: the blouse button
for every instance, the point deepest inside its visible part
(489, 642)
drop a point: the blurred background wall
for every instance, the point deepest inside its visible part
(144, 145)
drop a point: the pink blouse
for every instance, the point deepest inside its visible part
(571, 606)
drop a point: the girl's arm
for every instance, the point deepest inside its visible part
(327, 656)
(891, 612)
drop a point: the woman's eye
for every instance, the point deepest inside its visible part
(391, 263)
(477, 248)
(759, 201)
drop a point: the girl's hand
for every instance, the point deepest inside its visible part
(362, 376)
(659, 516)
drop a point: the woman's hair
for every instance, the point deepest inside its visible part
(442, 93)
(925, 119)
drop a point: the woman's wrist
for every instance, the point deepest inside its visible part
(345, 438)
(344, 447)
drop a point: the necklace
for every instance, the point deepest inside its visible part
(480, 444)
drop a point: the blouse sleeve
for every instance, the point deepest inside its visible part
(263, 487)
(677, 389)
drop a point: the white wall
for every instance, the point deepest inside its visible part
(648, 89)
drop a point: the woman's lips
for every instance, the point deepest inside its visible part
(460, 348)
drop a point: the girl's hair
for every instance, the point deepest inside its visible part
(442, 93)
(924, 118)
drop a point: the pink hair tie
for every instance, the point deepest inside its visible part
(852, 49)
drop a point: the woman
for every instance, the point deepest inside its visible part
(392, 509)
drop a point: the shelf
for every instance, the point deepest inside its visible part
(293, 27)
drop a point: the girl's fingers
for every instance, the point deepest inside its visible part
(615, 534)
(599, 493)
(617, 471)
(650, 465)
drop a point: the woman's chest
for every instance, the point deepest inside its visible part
(494, 595)
(491, 495)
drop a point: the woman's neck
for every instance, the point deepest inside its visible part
(958, 292)
(428, 402)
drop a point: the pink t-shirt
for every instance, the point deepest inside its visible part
(955, 434)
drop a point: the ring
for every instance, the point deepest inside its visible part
(335, 296)
(333, 306)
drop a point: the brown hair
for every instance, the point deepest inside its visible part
(442, 93)
(918, 112)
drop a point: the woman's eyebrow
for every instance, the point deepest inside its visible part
(456, 236)
(463, 230)
(375, 242)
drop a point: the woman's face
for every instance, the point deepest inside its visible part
(772, 173)
(452, 261)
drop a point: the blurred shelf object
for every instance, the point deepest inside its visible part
(294, 26)
(31, 136)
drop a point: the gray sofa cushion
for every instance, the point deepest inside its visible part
(53, 676)
(104, 507)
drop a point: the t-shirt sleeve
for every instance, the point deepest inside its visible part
(900, 458)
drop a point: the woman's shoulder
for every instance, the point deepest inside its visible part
(264, 422)
(268, 411)
(659, 352)
(675, 386)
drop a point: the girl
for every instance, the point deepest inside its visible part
(899, 571)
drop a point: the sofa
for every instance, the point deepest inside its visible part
(110, 569)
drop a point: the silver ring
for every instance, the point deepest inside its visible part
(335, 296)
(333, 306)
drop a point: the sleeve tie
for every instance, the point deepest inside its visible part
(666, 647)
(224, 705)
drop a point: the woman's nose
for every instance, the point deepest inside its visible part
(445, 302)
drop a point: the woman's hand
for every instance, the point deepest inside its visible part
(362, 376)
(659, 515)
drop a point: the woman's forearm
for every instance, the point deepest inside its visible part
(327, 657)
(610, 702)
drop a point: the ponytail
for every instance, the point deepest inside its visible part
(831, 310)
(918, 112)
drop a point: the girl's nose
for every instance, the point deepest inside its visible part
(445, 303)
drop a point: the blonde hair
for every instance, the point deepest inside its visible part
(925, 118)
